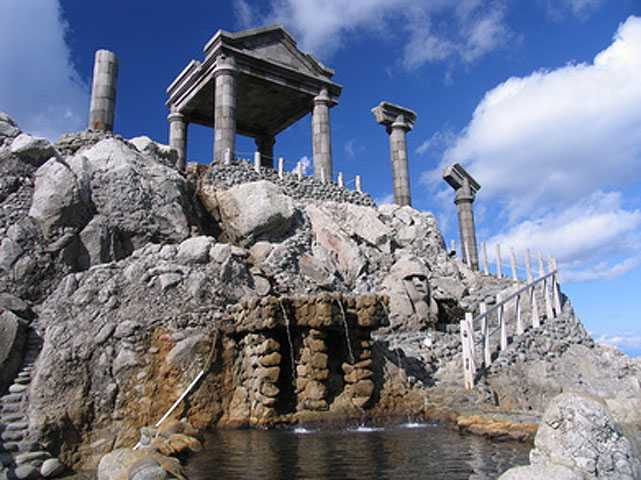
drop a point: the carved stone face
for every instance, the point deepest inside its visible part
(417, 288)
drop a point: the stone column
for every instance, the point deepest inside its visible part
(103, 91)
(466, 188)
(400, 171)
(178, 137)
(397, 121)
(322, 135)
(225, 107)
(265, 146)
(467, 230)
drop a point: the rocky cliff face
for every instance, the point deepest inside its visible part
(139, 276)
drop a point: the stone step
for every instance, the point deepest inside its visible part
(12, 417)
(15, 388)
(32, 457)
(11, 398)
(12, 435)
(19, 447)
(22, 380)
(11, 408)
(16, 426)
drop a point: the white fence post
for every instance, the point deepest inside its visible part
(466, 355)
(257, 162)
(486, 264)
(515, 276)
(557, 287)
(501, 320)
(499, 262)
(227, 157)
(453, 246)
(487, 356)
(546, 290)
(299, 171)
(341, 181)
(534, 308)
(519, 321)
(357, 182)
(322, 175)
(281, 167)
(528, 266)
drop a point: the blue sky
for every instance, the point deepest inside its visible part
(539, 99)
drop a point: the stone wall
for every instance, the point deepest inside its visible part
(308, 188)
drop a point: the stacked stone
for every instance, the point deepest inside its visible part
(358, 376)
(308, 188)
(260, 375)
(70, 143)
(312, 372)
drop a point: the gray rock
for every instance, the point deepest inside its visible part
(541, 472)
(195, 250)
(8, 127)
(271, 217)
(163, 153)
(578, 433)
(146, 469)
(51, 468)
(35, 150)
(13, 336)
(26, 472)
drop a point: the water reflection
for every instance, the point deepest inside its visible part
(399, 453)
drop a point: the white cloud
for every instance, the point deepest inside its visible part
(305, 164)
(439, 141)
(555, 136)
(431, 30)
(557, 9)
(244, 14)
(625, 341)
(581, 236)
(39, 86)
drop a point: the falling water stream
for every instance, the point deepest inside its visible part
(291, 343)
(347, 336)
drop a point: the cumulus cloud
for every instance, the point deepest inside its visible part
(39, 85)
(581, 236)
(431, 30)
(558, 135)
(546, 147)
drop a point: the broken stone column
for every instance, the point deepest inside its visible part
(465, 187)
(321, 135)
(225, 107)
(397, 121)
(178, 137)
(265, 146)
(103, 91)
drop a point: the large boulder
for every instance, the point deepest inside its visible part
(579, 435)
(252, 211)
(13, 335)
(35, 150)
(541, 472)
(8, 128)
(166, 154)
(114, 199)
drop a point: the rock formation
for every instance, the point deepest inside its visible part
(123, 278)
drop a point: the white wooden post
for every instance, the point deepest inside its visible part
(557, 287)
(322, 175)
(486, 264)
(453, 246)
(469, 320)
(501, 319)
(499, 262)
(341, 181)
(534, 308)
(257, 162)
(515, 277)
(227, 157)
(299, 171)
(281, 167)
(357, 182)
(528, 266)
(546, 290)
(487, 356)
(519, 321)
(466, 357)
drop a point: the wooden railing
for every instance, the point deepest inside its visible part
(552, 307)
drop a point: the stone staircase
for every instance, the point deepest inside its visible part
(20, 456)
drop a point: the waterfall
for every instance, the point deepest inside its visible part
(289, 339)
(347, 337)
